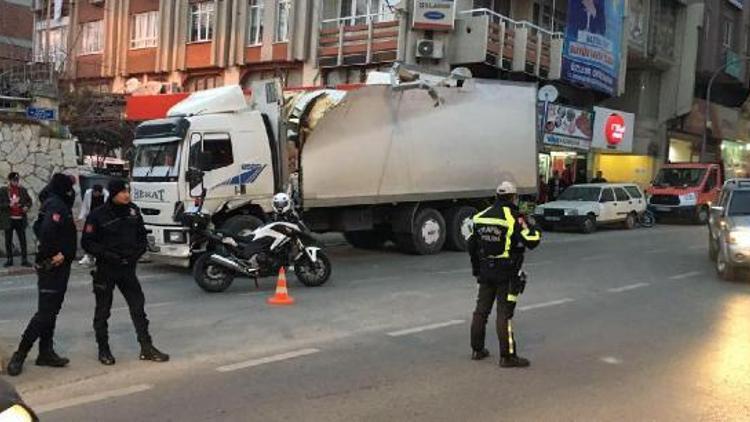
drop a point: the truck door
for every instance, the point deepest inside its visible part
(711, 188)
(607, 205)
(268, 98)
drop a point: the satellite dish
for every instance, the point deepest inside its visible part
(548, 93)
(132, 85)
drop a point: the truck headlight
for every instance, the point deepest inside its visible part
(175, 236)
(572, 212)
(689, 199)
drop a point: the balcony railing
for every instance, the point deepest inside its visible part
(517, 46)
(358, 40)
(30, 80)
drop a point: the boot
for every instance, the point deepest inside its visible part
(480, 354)
(105, 355)
(51, 359)
(149, 352)
(15, 366)
(514, 362)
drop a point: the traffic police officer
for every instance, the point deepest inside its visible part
(499, 238)
(56, 233)
(116, 236)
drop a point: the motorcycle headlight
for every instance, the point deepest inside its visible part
(689, 199)
(571, 212)
(16, 413)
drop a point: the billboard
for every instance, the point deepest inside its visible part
(567, 127)
(593, 44)
(613, 130)
(434, 15)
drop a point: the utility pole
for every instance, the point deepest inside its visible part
(46, 31)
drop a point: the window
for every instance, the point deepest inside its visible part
(728, 38)
(740, 204)
(202, 21)
(255, 26)
(711, 181)
(634, 192)
(219, 146)
(621, 195)
(608, 196)
(92, 37)
(282, 20)
(144, 32)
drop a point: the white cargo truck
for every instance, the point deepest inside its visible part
(408, 162)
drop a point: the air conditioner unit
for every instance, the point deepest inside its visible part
(430, 49)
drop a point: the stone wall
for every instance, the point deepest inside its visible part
(25, 150)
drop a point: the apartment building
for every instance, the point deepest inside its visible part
(15, 33)
(128, 46)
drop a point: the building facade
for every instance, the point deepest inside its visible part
(15, 33)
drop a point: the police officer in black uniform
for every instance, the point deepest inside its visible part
(56, 232)
(497, 244)
(116, 236)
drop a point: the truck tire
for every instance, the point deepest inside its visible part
(701, 215)
(428, 234)
(366, 239)
(458, 220)
(240, 225)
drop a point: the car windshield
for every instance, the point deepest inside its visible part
(740, 204)
(156, 160)
(583, 194)
(680, 178)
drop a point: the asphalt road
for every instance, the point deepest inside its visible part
(619, 325)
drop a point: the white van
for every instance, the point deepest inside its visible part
(591, 205)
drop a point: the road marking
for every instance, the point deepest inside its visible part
(269, 359)
(611, 360)
(546, 304)
(594, 258)
(148, 306)
(5, 321)
(663, 250)
(415, 330)
(628, 287)
(532, 264)
(105, 395)
(686, 275)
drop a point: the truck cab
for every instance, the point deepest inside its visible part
(686, 190)
(227, 140)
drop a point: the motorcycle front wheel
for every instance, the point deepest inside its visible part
(210, 277)
(313, 274)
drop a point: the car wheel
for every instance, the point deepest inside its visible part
(630, 221)
(701, 216)
(589, 225)
(724, 268)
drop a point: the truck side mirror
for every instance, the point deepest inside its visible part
(195, 181)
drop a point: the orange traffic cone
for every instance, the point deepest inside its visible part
(282, 294)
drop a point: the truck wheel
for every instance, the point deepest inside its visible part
(240, 225)
(701, 216)
(366, 239)
(589, 225)
(458, 220)
(428, 234)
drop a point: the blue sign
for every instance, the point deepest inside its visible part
(436, 16)
(593, 40)
(39, 113)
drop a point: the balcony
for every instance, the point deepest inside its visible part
(484, 36)
(358, 40)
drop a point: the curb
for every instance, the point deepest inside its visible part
(17, 272)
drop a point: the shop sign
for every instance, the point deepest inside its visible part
(435, 15)
(613, 130)
(568, 121)
(592, 45)
(567, 142)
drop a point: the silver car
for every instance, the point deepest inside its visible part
(729, 229)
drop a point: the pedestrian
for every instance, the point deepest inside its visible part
(115, 235)
(56, 232)
(499, 238)
(15, 204)
(599, 178)
(94, 198)
(555, 187)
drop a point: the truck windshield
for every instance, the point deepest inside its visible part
(156, 161)
(740, 204)
(583, 194)
(680, 178)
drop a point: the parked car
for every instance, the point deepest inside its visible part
(588, 206)
(729, 229)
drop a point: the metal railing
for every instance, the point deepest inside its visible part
(30, 80)
(358, 40)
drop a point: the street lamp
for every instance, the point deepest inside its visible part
(707, 113)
